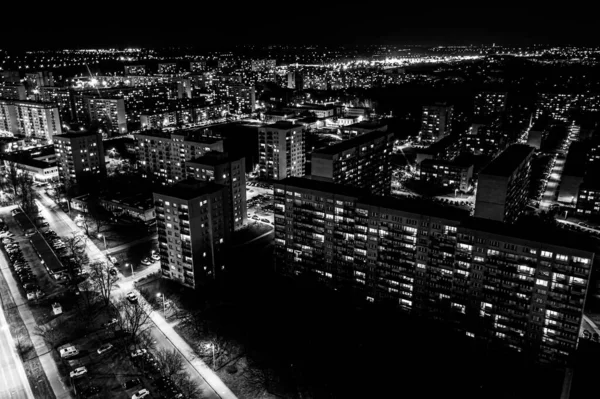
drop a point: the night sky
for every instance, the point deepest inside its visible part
(214, 24)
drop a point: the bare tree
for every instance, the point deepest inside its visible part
(170, 363)
(258, 379)
(188, 387)
(76, 250)
(135, 318)
(13, 176)
(27, 194)
(101, 280)
(97, 214)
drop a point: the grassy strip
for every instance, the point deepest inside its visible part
(38, 380)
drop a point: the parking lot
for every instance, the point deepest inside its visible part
(259, 197)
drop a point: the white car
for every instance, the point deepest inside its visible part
(155, 257)
(78, 372)
(142, 393)
(132, 297)
(139, 352)
(104, 348)
(66, 353)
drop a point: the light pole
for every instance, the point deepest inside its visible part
(163, 301)
(130, 264)
(104, 239)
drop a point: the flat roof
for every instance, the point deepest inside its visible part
(189, 188)
(74, 135)
(366, 125)
(509, 160)
(418, 206)
(551, 235)
(463, 163)
(352, 143)
(282, 125)
(324, 186)
(213, 158)
(575, 164)
(440, 145)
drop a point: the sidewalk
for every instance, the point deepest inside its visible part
(42, 351)
(204, 372)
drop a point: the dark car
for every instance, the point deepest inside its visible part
(131, 383)
(91, 391)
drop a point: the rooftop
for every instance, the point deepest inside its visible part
(213, 158)
(551, 235)
(189, 189)
(441, 145)
(322, 186)
(366, 125)
(75, 135)
(455, 162)
(575, 164)
(352, 143)
(508, 161)
(281, 125)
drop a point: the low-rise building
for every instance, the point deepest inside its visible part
(452, 174)
(360, 128)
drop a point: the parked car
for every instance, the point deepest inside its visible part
(138, 353)
(142, 393)
(146, 262)
(155, 257)
(131, 383)
(104, 348)
(68, 352)
(78, 372)
(132, 297)
(110, 323)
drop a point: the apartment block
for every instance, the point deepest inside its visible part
(492, 281)
(13, 92)
(436, 122)
(109, 113)
(228, 171)
(163, 155)
(61, 97)
(36, 121)
(489, 103)
(456, 175)
(362, 162)
(281, 149)
(135, 69)
(80, 156)
(360, 128)
(503, 185)
(193, 233)
(588, 199)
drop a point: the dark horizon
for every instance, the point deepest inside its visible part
(326, 25)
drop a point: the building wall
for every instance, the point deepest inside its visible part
(281, 152)
(79, 157)
(569, 189)
(490, 198)
(193, 242)
(526, 295)
(110, 112)
(588, 201)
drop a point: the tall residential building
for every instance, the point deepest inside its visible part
(167, 67)
(490, 103)
(281, 150)
(262, 64)
(35, 80)
(362, 162)
(242, 97)
(556, 105)
(13, 92)
(109, 113)
(503, 185)
(520, 289)
(197, 66)
(228, 171)
(80, 156)
(37, 121)
(163, 155)
(436, 122)
(61, 97)
(135, 69)
(452, 174)
(193, 233)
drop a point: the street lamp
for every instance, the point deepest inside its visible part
(104, 239)
(163, 301)
(130, 264)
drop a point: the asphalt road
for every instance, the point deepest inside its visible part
(13, 380)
